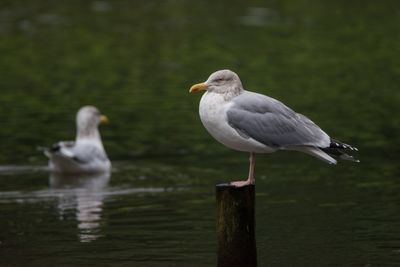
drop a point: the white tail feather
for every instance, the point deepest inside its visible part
(316, 152)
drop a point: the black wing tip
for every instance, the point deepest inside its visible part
(339, 150)
(340, 145)
(55, 148)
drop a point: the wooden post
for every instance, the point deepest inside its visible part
(235, 226)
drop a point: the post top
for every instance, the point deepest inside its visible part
(228, 185)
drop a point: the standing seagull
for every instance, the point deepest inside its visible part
(255, 123)
(86, 154)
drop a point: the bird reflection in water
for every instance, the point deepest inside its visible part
(85, 195)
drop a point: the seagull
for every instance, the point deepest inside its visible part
(86, 154)
(255, 123)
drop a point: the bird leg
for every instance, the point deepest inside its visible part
(251, 180)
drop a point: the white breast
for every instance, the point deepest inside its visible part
(212, 111)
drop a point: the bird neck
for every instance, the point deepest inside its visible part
(89, 134)
(228, 96)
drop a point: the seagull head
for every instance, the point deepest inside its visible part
(88, 119)
(222, 82)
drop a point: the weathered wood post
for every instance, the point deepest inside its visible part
(235, 226)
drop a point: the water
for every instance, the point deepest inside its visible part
(335, 62)
(150, 213)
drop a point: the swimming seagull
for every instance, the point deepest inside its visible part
(86, 154)
(255, 123)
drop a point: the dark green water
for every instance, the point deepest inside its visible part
(335, 61)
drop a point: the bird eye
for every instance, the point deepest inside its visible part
(218, 80)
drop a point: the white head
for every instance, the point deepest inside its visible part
(88, 119)
(220, 82)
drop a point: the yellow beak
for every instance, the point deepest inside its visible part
(103, 119)
(198, 87)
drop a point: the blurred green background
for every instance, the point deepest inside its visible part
(337, 62)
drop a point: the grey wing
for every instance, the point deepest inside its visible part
(84, 153)
(272, 123)
(62, 148)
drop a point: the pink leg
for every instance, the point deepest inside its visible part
(250, 179)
